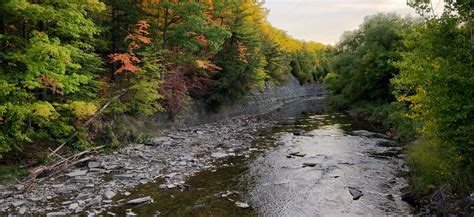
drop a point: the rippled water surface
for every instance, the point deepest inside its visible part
(274, 183)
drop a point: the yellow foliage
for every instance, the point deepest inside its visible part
(44, 110)
(82, 109)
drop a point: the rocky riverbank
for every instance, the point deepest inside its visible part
(93, 186)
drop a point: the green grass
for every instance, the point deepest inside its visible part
(9, 172)
(429, 169)
(434, 166)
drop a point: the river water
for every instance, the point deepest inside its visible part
(273, 182)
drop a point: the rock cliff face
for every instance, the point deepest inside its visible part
(259, 102)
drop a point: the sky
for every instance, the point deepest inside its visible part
(325, 20)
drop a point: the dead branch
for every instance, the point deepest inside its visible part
(89, 121)
(58, 166)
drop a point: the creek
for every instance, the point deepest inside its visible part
(311, 163)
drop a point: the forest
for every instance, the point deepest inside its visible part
(69, 69)
(414, 77)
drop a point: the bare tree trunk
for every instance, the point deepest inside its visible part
(165, 28)
(470, 24)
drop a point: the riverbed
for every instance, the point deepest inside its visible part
(309, 164)
(295, 161)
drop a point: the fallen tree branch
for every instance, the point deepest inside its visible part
(56, 167)
(89, 121)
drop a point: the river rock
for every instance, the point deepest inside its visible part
(73, 206)
(67, 202)
(93, 164)
(77, 173)
(297, 154)
(219, 155)
(160, 141)
(18, 203)
(140, 200)
(408, 197)
(83, 196)
(130, 213)
(20, 187)
(109, 194)
(170, 175)
(187, 157)
(56, 214)
(298, 132)
(22, 210)
(5, 194)
(309, 164)
(356, 193)
(369, 134)
(124, 176)
(242, 205)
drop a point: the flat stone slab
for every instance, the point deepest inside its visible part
(93, 164)
(124, 176)
(109, 194)
(77, 173)
(18, 203)
(219, 155)
(242, 205)
(140, 200)
(356, 193)
(309, 164)
(56, 214)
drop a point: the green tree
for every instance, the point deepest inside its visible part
(365, 58)
(436, 80)
(48, 69)
(241, 59)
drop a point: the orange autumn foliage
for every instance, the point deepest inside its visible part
(129, 60)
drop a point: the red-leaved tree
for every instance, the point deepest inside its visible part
(129, 61)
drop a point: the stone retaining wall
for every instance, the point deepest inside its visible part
(261, 101)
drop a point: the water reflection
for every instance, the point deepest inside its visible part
(275, 183)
